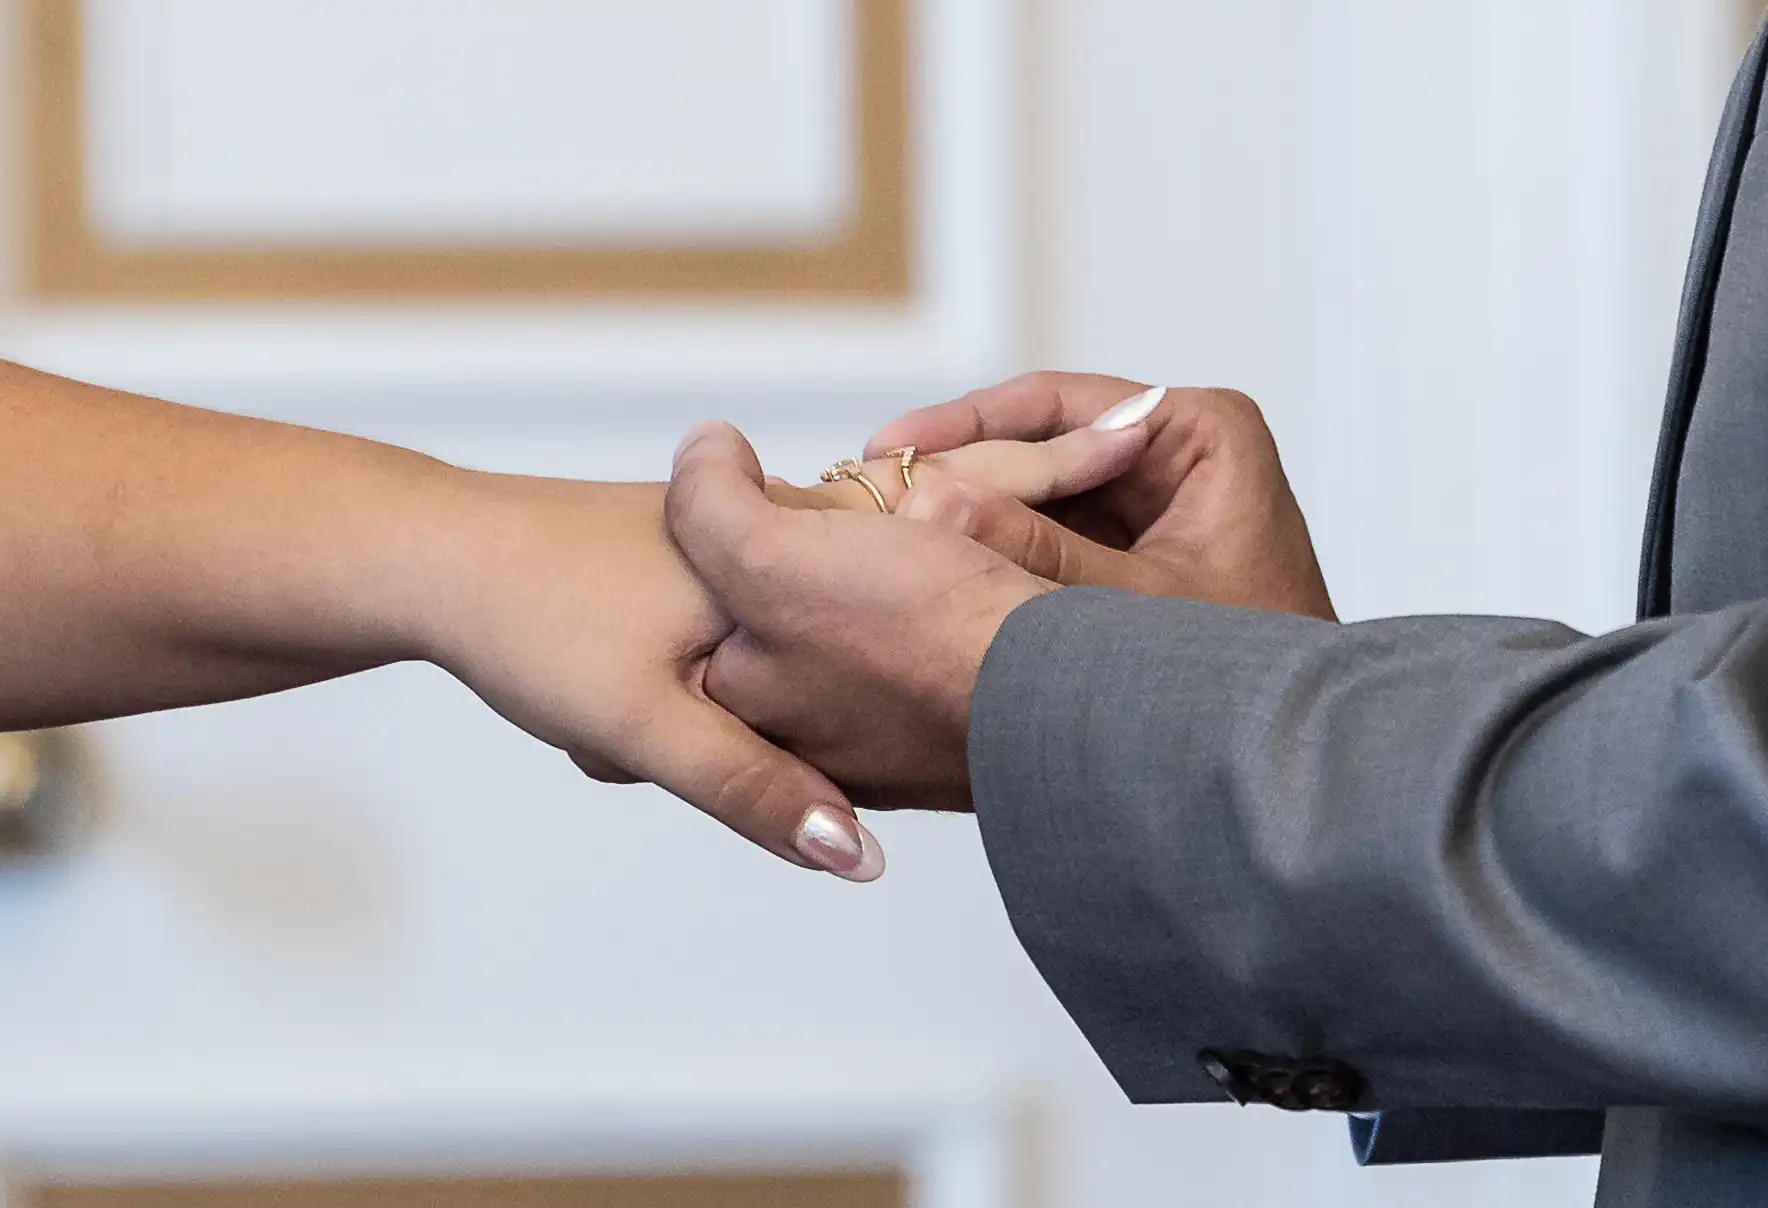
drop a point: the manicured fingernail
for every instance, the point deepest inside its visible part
(830, 840)
(946, 506)
(871, 864)
(1130, 412)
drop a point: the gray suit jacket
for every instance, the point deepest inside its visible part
(1497, 887)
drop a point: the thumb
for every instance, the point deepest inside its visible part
(1026, 537)
(718, 511)
(704, 755)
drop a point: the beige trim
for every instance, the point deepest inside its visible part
(66, 260)
(732, 1191)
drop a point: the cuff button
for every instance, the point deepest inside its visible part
(1333, 1087)
(1305, 1085)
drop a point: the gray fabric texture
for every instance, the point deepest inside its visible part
(1719, 550)
(1487, 862)
(1456, 1134)
(1718, 210)
(1512, 874)
(1660, 1159)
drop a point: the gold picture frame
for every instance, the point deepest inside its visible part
(834, 1190)
(67, 260)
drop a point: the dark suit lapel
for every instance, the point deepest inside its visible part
(1712, 230)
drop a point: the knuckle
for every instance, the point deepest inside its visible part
(1235, 409)
(757, 799)
(1046, 553)
(730, 676)
(1232, 424)
(1039, 389)
(941, 503)
(1041, 380)
(745, 682)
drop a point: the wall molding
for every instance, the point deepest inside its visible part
(68, 258)
(962, 320)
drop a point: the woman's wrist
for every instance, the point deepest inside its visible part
(468, 528)
(444, 554)
(489, 542)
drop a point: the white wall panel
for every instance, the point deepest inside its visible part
(1442, 244)
(961, 322)
(463, 122)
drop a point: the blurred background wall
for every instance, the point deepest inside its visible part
(368, 923)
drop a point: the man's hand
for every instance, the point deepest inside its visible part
(1206, 512)
(859, 637)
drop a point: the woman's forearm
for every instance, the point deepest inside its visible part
(153, 556)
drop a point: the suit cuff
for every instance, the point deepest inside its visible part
(1097, 731)
(1474, 1135)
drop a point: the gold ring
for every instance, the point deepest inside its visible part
(849, 470)
(906, 458)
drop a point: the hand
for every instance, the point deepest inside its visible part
(1030, 473)
(569, 611)
(859, 636)
(572, 614)
(1206, 512)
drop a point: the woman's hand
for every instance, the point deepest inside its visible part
(566, 607)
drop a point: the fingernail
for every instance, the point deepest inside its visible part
(831, 840)
(1130, 412)
(946, 506)
(871, 863)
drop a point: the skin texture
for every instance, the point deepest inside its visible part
(159, 556)
(1205, 512)
(859, 638)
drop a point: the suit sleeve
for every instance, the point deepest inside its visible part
(1486, 863)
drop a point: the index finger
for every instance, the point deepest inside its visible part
(1030, 408)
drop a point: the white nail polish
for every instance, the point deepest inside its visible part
(871, 862)
(1130, 412)
(831, 841)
